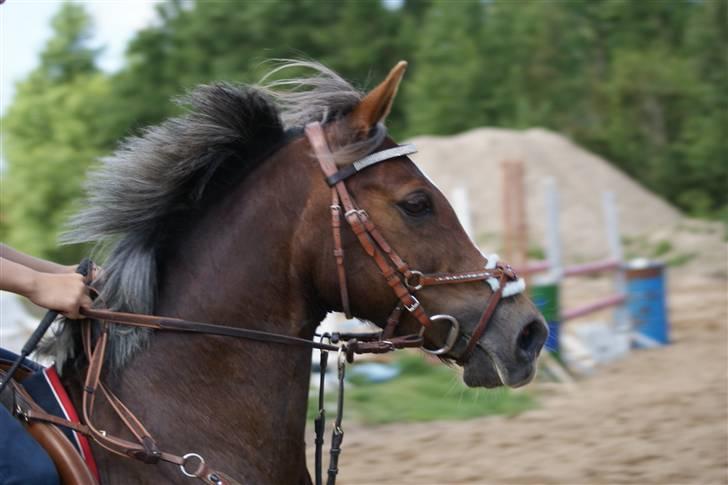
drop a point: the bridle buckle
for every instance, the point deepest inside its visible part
(414, 306)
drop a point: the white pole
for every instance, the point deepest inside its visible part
(462, 209)
(611, 219)
(553, 232)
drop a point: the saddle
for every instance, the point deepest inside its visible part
(37, 390)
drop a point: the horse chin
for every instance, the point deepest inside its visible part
(485, 369)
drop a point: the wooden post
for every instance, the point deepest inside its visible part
(515, 222)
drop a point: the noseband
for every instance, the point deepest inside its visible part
(403, 280)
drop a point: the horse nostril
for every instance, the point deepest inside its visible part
(531, 339)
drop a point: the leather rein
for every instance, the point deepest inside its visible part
(403, 280)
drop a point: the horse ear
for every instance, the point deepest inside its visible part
(376, 105)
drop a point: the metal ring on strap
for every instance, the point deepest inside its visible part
(414, 280)
(452, 335)
(183, 466)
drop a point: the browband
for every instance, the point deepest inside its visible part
(370, 160)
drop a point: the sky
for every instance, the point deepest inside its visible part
(25, 28)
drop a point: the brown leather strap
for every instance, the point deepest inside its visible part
(392, 322)
(146, 449)
(484, 319)
(339, 252)
(180, 325)
(27, 409)
(454, 278)
(369, 237)
(37, 414)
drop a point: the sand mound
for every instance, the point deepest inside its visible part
(650, 226)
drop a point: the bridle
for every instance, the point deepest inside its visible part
(403, 280)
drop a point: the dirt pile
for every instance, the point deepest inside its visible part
(650, 226)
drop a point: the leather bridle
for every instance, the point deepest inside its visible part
(403, 280)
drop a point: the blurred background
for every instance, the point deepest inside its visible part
(625, 98)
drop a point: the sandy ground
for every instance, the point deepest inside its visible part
(657, 416)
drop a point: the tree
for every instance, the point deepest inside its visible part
(702, 142)
(55, 127)
(444, 82)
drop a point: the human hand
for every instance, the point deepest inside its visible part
(65, 293)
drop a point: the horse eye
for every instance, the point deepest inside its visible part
(416, 205)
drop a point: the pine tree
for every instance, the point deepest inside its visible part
(55, 127)
(444, 82)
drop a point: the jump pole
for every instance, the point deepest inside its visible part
(545, 290)
(462, 209)
(621, 320)
(615, 263)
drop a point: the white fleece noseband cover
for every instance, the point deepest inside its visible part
(511, 288)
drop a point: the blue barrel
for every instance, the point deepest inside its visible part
(646, 301)
(545, 295)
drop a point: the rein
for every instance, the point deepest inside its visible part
(403, 280)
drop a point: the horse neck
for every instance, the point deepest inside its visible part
(237, 398)
(240, 262)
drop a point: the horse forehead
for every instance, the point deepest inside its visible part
(397, 170)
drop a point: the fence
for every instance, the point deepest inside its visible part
(638, 296)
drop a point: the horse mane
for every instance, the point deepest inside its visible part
(155, 182)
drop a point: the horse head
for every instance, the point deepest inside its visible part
(417, 233)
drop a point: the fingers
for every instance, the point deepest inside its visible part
(78, 298)
(64, 293)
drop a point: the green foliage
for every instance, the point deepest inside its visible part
(680, 259)
(54, 129)
(423, 391)
(536, 252)
(67, 54)
(661, 248)
(445, 70)
(640, 82)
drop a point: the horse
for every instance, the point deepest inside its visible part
(223, 214)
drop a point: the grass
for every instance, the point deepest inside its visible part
(422, 392)
(661, 248)
(536, 252)
(680, 259)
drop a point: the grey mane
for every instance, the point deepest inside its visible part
(153, 181)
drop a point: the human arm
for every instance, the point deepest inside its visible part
(37, 264)
(64, 292)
